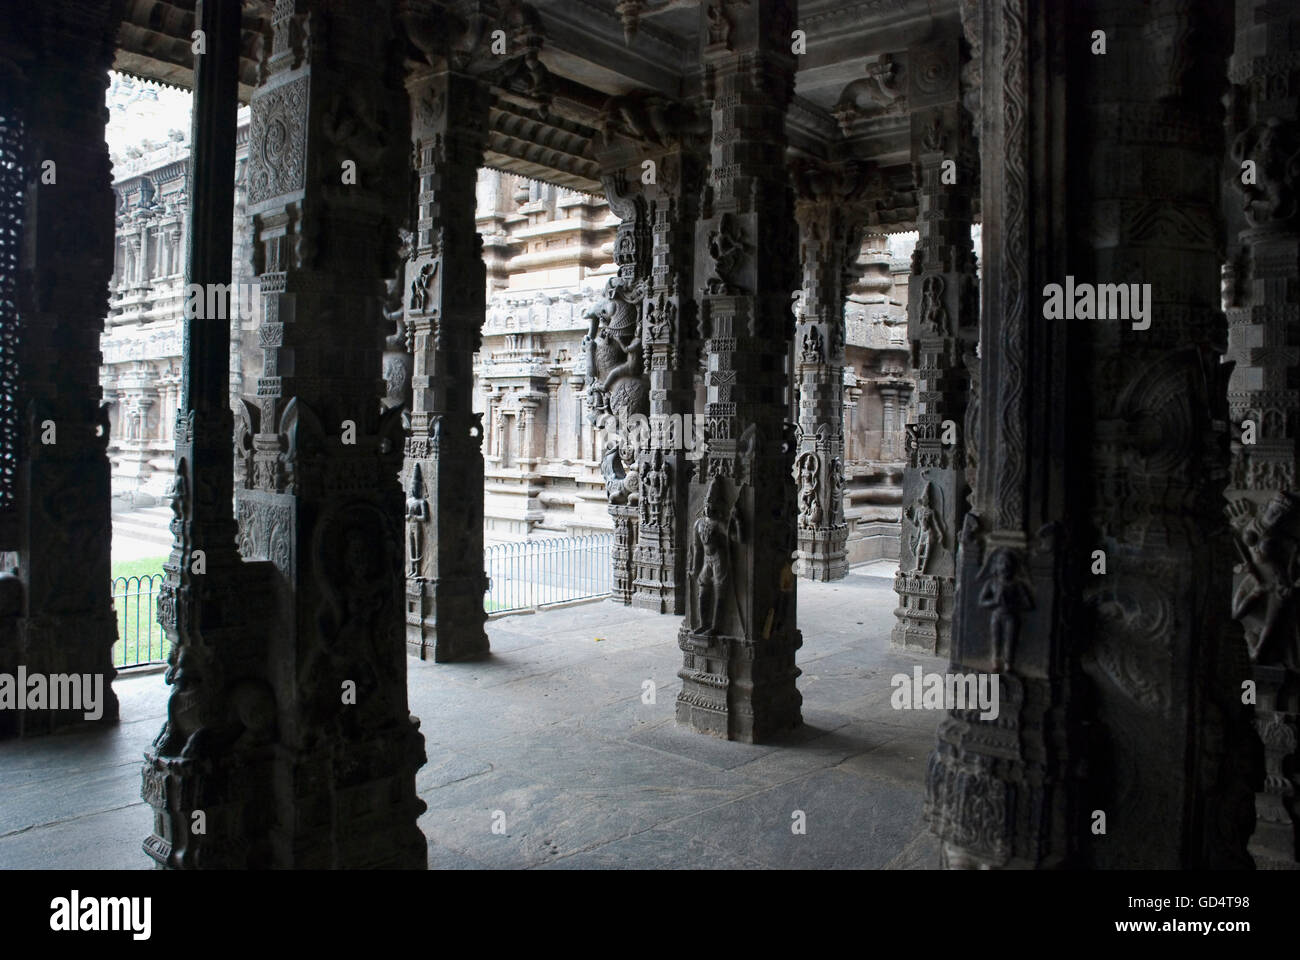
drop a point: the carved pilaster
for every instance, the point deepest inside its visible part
(740, 636)
(1093, 570)
(294, 740)
(1165, 661)
(618, 389)
(998, 790)
(670, 344)
(445, 284)
(58, 246)
(830, 238)
(943, 313)
(1262, 300)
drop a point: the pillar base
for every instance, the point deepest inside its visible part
(40, 644)
(729, 693)
(822, 553)
(924, 614)
(458, 606)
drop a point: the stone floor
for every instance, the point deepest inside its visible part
(552, 733)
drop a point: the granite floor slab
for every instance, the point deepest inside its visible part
(555, 752)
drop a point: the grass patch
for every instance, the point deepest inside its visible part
(138, 568)
(140, 638)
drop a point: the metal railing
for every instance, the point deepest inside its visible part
(140, 638)
(526, 575)
(536, 573)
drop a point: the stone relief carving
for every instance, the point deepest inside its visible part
(810, 508)
(615, 369)
(710, 562)
(726, 249)
(278, 137)
(1006, 595)
(927, 529)
(934, 314)
(1265, 599)
(656, 492)
(813, 350)
(620, 484)
(1274, 146)
(417, 516)
(1132, 647)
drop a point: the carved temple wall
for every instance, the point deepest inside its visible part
(548, 252)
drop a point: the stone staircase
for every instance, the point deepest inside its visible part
(142, 533)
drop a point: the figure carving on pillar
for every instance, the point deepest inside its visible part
(726, 250)
(1274, 145)
(837, 491)
(655, 487)
(614, 357)
(928, 527)
(1265, 599)
(417, 515)
(813, 350)
(619, 483)
(810, 508)
(934, 315)
(719, 25)
(1006, 596)
(710, 558)
(398, 343)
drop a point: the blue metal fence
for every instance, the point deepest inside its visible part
(535, 573)
(140, 638)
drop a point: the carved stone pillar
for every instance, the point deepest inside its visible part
(617, 386)
(660, 218)
(57, 242)
(290, 730)
(1093, 570)
(943, 312)
(740, 637)
(445, 308)
(1263, 301)
(830, 237)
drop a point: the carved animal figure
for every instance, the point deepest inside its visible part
(615, 370)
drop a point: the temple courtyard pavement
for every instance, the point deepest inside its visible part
(561, 751)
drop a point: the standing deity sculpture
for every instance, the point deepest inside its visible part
(417, 515)
(1006, 595)
(709, 561)
(810, 507)
(928, 528)
(654, 486)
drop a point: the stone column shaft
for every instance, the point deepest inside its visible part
(199, 603)
(1262, 298)
(740, 637)
(58, 247)
(445, 309)
(830, 236)
(290, 729)
(668, 329)
(943, 312)
(1093, 569)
